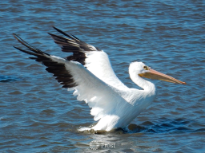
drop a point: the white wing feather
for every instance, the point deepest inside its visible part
(99, 64)
(97, 94)
(95, 60)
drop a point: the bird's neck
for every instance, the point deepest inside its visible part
(142, 83)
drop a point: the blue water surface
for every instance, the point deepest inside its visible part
(37, 115)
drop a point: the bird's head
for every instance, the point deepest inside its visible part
(147, 72)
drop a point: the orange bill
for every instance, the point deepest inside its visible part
(152, 74)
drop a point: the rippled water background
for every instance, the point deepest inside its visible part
(37, 115)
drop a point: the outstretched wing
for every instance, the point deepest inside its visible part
(94, 59)
(74, 76)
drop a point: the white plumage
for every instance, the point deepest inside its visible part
(89, 73)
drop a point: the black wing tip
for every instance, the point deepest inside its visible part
(17, 37)
(58, 30)
(32, 50)
(14, 35)
(67, 35)
(16, 47)
(20, 49)
(53, 35)
(55, 28)
(58, 69)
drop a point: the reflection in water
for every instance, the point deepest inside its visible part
(163, 125)
(114, 140)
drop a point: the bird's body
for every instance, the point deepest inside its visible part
(89, 73)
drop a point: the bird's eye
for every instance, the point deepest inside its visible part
(146, 67)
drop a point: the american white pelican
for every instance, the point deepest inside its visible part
(89, 73)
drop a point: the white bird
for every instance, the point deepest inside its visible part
(89, 73)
